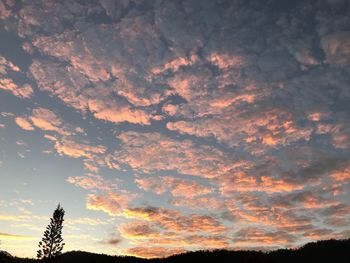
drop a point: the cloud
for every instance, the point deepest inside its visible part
(152, 184)
(117, 113)
(305, 200)
(24, 123)
(86, 221)
(211, 203)
(7, 83)
(7, 236)
(91, 182)
(111, 241)
(188, 242)
(46, 120)
(6, 65)
(24, 91)
(149, 152)
(110, 203)
(259, 130)
(69, 147)
(173, 220)
(241, 182)
(52, 78)
(177, 186)
(342, 175)
(4, 12)
(65, 83)
(336, 49)
(138, 230)
(252, 236)
(249, 116)
(153, 252)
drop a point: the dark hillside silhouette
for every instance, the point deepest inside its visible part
(330, 251)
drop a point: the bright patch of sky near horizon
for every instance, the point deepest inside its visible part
(166, 126)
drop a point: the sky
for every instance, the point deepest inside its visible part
(168, 126)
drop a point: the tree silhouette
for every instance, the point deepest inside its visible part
(52, 243)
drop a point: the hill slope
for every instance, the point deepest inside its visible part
(321, 251)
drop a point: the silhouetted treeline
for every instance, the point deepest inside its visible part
(321, 251)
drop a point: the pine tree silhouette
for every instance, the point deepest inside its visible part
(52, 243)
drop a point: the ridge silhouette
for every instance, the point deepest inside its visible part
(321, 251)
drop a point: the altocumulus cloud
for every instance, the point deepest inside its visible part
(234, 113)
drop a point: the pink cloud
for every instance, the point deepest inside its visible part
(149, 152)
(90, 182)
(6, 65)
(152, 184)
(177, 187)
(4, 12)
(264, 129)
(72, 148)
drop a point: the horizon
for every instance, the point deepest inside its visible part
(205, 250)
(170, 126)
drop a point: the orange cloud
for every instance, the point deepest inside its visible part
(170, 109)
(138, 230)
(174, 221)
(152, 252)
(242, 182)
(110, 203)
(46, 120)
(199, 203)
(252, 236)
(190, 242)
(24, 91)
(208, 242)
(225, 61)
(116, 113)
(341, 175)
(24, 123)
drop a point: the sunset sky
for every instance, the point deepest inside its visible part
(168, 126)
